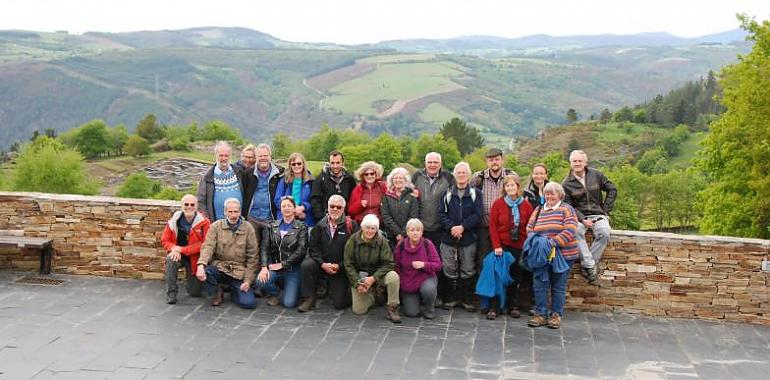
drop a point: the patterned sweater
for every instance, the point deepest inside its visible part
(559, 224)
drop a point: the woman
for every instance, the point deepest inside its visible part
(508, 219)
(556, 224)
(534, 191)
(296, 182)
(284, 242)
(367, 195)
(460, 215)
(398, 205)
(417, 263)
(370, 269)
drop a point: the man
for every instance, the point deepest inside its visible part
(260, 189)
(333, 180)
(182, 238)
(248, 158)
(229, 257)
(430, 186)
(583, 189)
(326, 249)
(490, 185)
(221, 182)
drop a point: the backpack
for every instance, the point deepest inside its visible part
(448, 196)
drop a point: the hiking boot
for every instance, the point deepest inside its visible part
(307, 305)
(449, 305)
(218, 297)
(514, 313)
(392, 314)
(590, 275)
(536, 321)
(554, 322)
(272, 301)
(491, 315)
(171, 298)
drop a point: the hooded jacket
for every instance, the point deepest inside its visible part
(396, 210)
(283, 189)
(325, 186)
(198, 232)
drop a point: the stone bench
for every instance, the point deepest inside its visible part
(16, 239)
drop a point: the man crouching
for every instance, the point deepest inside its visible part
(229, 256)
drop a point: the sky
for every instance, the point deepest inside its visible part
(365, 21)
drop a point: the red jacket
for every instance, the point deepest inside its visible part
(200, 227)
(373, 198)
(501, 222)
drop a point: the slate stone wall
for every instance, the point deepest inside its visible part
(659, 274)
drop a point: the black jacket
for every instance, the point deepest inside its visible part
(589, 202)
(324, 187)
(430, 196)
(324, 248)
(250, 186)
(206, 192)
(396, 210)
(289, 250)
(532, 194)
(465, 211)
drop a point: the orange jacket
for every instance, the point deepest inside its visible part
(200, 227)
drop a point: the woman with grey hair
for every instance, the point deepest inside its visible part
(398, 205)
(366, 197)
(417, 263)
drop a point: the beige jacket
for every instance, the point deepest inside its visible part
(235, 254)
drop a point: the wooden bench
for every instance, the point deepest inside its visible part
(16, 238)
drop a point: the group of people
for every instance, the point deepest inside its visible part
(408, 242)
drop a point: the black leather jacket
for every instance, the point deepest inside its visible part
(289, 250)
(589, 202)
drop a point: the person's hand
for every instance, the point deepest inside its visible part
(263, 275)
(457, 231)
(369, 281)
(275, 266)
(588, 223)
(498, 251)
(300, 216)
(415, 193)
(364, 202)
(174, 255)
(299, 208)
(329, 268)
(201, 273)
(398, 238)
(418, 264)
(245, 286)
(361, 288)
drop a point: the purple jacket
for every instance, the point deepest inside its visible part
(405, 254)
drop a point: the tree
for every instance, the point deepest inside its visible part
(624, 114)
(219, 130)
(629, 208)
(93, 139)
(736, 154)
(467, 138)
(149, 129)
(605, 116)
(46, 165)
(281, 145)
(426, 143)
(653, 161)
(572, 116)
(138, 185)
(137, 146)
(118, 137)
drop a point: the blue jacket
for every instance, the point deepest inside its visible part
(495, 276)
(538, 247)
(454, 211)
(284, 188)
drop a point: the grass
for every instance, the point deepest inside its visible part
(437, 113)
(123, 164)
(395, 58)
(687, 151)
(403, 81)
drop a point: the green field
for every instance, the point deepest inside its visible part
(402, 81)
(437, 113)
(395, 58)
(687, 151)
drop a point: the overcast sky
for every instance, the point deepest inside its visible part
(362, 21)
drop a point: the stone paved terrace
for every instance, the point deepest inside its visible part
(106, 328)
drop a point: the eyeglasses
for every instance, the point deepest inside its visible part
(369, 174)
(285, 197)
(296, 164)
(335, 207)
(189, 204)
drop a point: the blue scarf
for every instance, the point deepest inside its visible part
(234, 227)
(514, 205)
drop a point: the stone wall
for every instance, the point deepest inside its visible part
(642, 272)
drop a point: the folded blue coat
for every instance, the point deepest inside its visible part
(495, 275)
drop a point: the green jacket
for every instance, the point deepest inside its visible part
(373, 257)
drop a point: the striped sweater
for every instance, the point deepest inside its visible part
(559, 224)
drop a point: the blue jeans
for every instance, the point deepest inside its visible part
(557, 284)
(215, 278)
(291, 283)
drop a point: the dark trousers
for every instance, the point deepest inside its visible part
(193, 286)
(338, 286)
(483, 245)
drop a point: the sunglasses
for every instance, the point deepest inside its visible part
(189, 204)
(296, 164)
(335, 207)
(369, 174)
